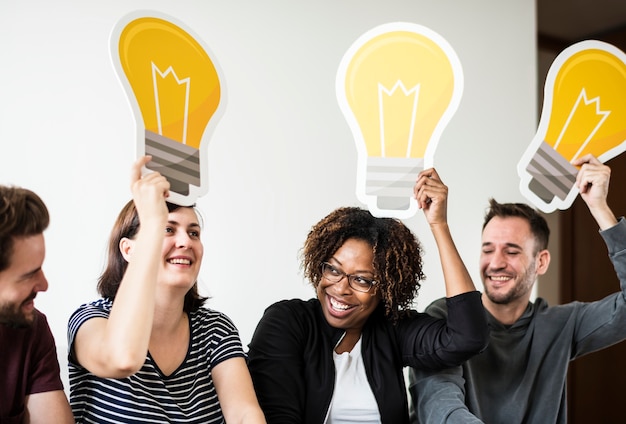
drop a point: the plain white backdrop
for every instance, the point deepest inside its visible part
(281, 157)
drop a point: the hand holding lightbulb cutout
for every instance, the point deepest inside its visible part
(398, 86)
(176, 94)
(584, 112)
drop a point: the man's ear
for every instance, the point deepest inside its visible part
(543, 261)
(126, 248)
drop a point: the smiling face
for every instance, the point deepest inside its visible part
(182, 249)
(22, 280)
(344, 307)
(509, 263)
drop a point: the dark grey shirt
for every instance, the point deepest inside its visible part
(521, 376)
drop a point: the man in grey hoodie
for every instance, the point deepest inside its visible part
(521, 376)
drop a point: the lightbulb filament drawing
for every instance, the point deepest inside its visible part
(584, 112)
(408, 94)
(176, 93)
(595, 114)
(397, 85)
(185, 83)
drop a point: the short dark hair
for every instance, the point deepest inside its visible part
(397, 253)
(127, 226)
(22, 214)
(538, 225)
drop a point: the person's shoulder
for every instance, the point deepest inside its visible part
(438, 307)
(541, 308)
(204, 312)
(103, 304)
(41, 321)
(294, 310)
(40, 317)
(438, 303)
(293, 306)
(208, 317)
(98, 308)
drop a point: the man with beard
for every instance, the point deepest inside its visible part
(30, 384)
(521, 376)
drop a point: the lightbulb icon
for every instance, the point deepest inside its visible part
(584, 111)
(397, 85)
(177, 91)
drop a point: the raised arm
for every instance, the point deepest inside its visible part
(116, 347)
(602, 323)
(593, 182)
(432, 196)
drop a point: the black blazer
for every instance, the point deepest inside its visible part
(293, 371)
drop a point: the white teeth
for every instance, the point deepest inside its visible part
(180, 261)
(500, 278)
(337, 305)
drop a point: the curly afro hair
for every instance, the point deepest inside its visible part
(397, 254)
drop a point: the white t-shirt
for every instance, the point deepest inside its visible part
(353, 400)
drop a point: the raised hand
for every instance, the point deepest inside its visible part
(432, 196)
(592, 181)
(149, 192)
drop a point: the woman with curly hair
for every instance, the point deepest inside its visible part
(339, 358)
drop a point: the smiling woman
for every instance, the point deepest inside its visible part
(338, 358)
(148, 350)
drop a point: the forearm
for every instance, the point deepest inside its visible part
(615, 240)
(455, 274)
(439, 397)
(130, 322)
(116, 346)
(604, 216)
(235, 392)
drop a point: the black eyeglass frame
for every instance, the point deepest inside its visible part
(352, 278)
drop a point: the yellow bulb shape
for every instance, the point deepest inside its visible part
(398, 86)
(383, 80)
(177, 95)
(589, 105)
(584, 112)
(162, 63)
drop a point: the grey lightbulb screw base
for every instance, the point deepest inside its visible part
(552, 174)
(177, 162)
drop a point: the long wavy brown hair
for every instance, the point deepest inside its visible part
(397, 254)
(127, 225)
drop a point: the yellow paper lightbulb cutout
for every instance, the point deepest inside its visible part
(398, 85)
(584, 112)
(178, 92)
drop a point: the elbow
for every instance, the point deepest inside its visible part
(120, 365)
(478, 346)
(470, 347)
(473, 344)
(481, 339)
(479, 342)
(127, 365)
(458, 348)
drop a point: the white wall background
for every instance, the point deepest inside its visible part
(282, 156)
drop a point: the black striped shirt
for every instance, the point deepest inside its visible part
(187, 395)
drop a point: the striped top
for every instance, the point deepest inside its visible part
(187, 395)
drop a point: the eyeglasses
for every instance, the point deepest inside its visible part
(357, 282)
